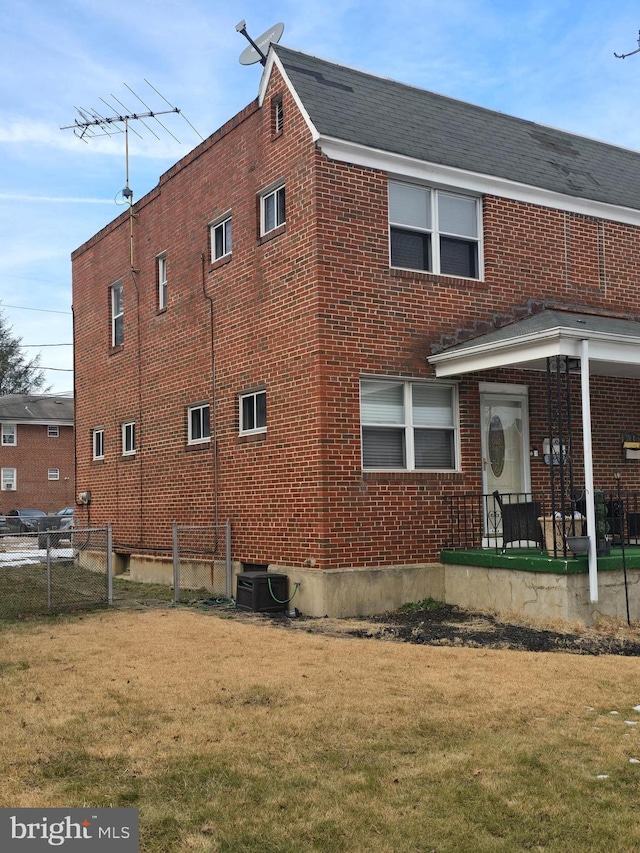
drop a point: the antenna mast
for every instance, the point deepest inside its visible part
(92, 124)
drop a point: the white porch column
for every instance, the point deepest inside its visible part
(588, 469)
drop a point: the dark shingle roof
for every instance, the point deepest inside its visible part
(383, 114)
(36, 407)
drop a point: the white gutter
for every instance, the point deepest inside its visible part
(588, 469)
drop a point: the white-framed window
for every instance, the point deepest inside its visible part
(97, 442)
(272, 209)
(434, 230)
(253, 412)
(198, 423)
(117, 314)
(221, 238)
(52, 431)
(9, 479)
(9, 435)
(409, 425)
(162, 281)
(128, 438)
(53, 474)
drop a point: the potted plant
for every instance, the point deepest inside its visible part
(603, 546)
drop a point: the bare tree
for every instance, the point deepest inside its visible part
(17, 374)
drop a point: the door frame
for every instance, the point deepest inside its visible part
(514, 393)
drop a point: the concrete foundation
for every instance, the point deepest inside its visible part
(541, 595)
(366, 591)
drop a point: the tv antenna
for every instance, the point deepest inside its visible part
(624, 55)
(258, 49)
(92, 124)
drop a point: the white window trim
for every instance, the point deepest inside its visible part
(94, 433)
(220, 222)
(435, 233)
(190, 411)
(117, 286)
(408, 425)
(9, 475)
(13, 434)
(53, 474)
(241, 398)
(128, 427)
(271, 192)
(53, 431)
(161, 261)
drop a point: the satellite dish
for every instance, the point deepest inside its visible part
(258, 49)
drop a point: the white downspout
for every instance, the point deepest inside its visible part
(588, 470)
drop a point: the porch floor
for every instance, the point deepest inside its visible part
(532, 560)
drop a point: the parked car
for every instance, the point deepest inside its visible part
(26, 520)
(52, 529)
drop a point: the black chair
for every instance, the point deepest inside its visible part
(520, 521)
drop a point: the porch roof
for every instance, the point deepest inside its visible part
(614, 345)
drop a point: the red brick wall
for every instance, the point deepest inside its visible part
(305, 313)
(32, 456)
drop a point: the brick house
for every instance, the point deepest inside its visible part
(347, 309)
(36, 452)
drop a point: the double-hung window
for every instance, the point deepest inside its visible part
(221, 238)
(117, 314)
(408, 426)
(97, 441)
(272, 210)
(53, 431)
(9, 437)
(198, 425)
(162, 281)
(128, 438)
(53, 474)
(9, 480)
(434, 230)
(253, 412)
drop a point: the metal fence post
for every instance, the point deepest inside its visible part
(109, 565)
(227, 548)
(48, 573)
(176, 562)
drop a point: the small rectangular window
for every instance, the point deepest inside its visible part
(9, 479)
(128, 438)
(54, 473)
(9, 435)
(253, 412)
(53, 432)
(162, 282)
(221, 238)
(117, 314)
(97, 440)
(272, 210)
(198, 428)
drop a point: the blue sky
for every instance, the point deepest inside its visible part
(550, 61)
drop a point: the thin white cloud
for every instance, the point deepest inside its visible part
(53, 199)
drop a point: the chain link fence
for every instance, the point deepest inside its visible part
(202, 561)
(49, 572)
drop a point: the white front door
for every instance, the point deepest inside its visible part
(505, 449)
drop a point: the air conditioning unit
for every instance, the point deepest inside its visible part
(8, 486)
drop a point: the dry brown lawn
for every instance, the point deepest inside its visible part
(235, 735)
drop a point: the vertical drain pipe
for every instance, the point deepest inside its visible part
(588, 470)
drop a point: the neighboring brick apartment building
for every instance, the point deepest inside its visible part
(267, 359)
(37, 464)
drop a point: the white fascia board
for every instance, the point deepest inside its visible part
(433, 173)
(272, 60)
(616, 349)
(37, 422)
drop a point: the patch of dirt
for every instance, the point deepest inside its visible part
(430, 623)
(438, 624)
